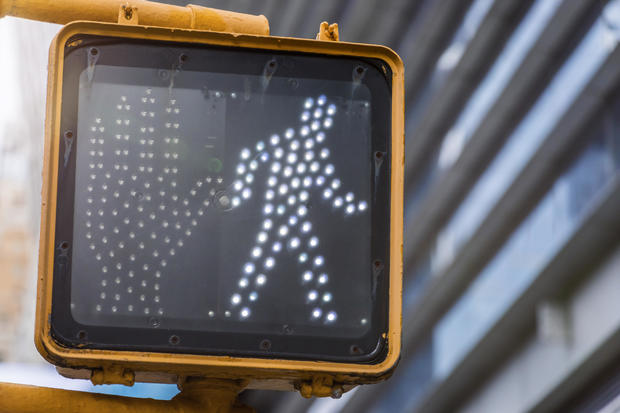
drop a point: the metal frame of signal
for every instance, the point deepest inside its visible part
(197, 394)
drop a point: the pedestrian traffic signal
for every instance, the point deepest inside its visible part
(221, 204)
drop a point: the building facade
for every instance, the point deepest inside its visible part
(512, 225)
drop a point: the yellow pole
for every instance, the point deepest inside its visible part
(150, 14)
(199, 397)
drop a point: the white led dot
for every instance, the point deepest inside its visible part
(278, 153)
(350, 209)
(245, 153)
(305, 116)
(283, 231)
(248, 268)
(260, 145)
(240, 168)
(338, 202)
(267, 224)
(331, 109)
(277, 247)
(313, 295)
(270, 262)
(246, 193)
(327, 297)
(281, 209)
(316, 313)
(323, 278)
(262, 237)
(269, 194)
(362, 206)
(331, 316)
(315, 125)
(256, 252)
(303, 257)
(314, 241)
(245, 312)
(314, 167)
(268, 209)
(253, 165)
(294, 145)
(307, 276)
(236, 201)
(235, 299)
(328, 122)
(275, 167)
(291, 199)
(308, 156)
(261, 279)
(321, 100)
(303, 196)
(238, 185)
(329, 169)
(289, 133)
(306, 226)
(327, 193)
(304, 131)
(291, 158)
(243, 282)
(294, 243)
(253, 296)
(288, 171)
(307, 181)
(302, 211)
(318, 261)
(283, 189)
(274, 140)
(308, 103)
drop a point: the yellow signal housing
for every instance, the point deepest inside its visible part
(107, 365)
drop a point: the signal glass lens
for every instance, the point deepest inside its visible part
(232, 204)
(217, 196)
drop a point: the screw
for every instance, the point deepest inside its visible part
(337, 392)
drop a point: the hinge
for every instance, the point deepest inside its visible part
(113, 375)
(328, 32)
(320, 386)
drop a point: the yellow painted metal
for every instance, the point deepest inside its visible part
(206, 396)
(151, 14)
(259, 373)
